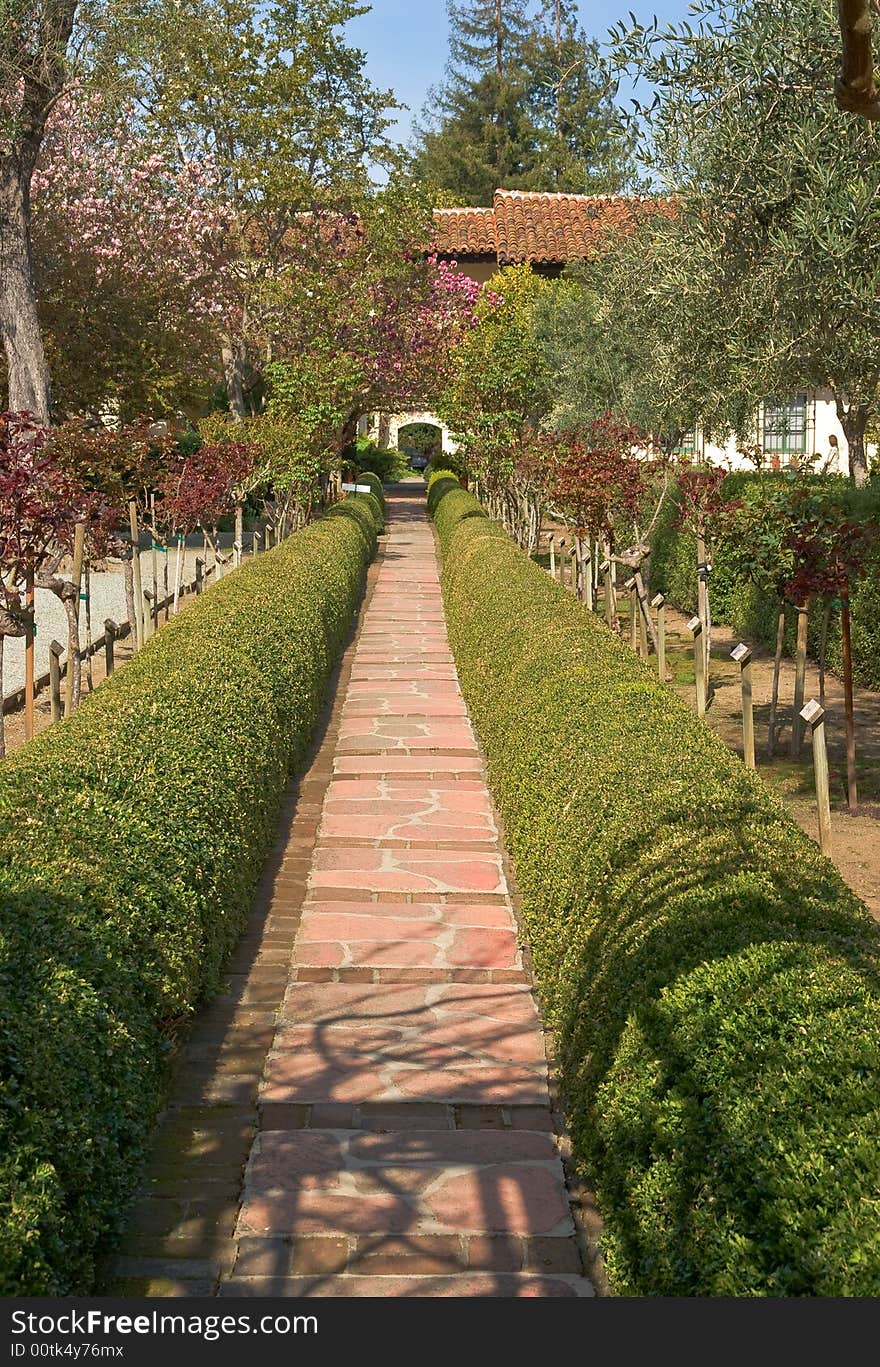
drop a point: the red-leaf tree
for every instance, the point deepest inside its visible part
(40, 504)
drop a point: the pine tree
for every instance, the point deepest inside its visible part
(522, 105)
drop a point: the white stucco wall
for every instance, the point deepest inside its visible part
(822, 423)
(385, 427)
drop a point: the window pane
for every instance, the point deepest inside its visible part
(785, 426)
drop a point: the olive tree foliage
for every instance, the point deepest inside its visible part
(764, 276)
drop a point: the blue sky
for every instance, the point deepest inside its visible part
(405, 41)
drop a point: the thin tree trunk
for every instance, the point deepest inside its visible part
(823, 649)
(777, 665)
(27, 370)
(74, 663)
(128, 576)
(178, 570)
(854, 421)
(88, 576)
(800, 671)
(232, 353)
(852, 795)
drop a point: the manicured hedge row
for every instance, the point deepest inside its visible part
(714, 984)
(131, 837)
(753, 613)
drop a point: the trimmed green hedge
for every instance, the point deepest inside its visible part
(713, 983)
(131, 838)
(753, 613)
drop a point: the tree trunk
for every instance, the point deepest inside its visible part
(128, 576)
(74, 663)
(777, 665)
(852, 796)
(232, 353)
(28, 373)
(854, 421)
(35, 87)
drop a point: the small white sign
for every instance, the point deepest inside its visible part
(356, 488)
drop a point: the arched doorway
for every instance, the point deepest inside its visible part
(420, 442)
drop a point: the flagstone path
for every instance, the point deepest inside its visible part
(366, 1112)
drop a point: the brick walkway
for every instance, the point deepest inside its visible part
(369, 1115)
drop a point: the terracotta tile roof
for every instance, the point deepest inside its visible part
(542, 229)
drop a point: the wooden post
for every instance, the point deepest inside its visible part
(551, 541)
(696, 627)
(573, 563)
(256, 543)
(852, 794)
(29, 655)
(79, 542)
(562, 562)
(800, 675)
(200, 570)
(743, 657)
(56, 650)
(814, 716)
(236, 553)
(659, 602)
(136, 572)
(703, 592)
(111, 632)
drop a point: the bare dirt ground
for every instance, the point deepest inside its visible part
(856, 835)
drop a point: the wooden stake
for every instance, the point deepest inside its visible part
(256, 543)
(56, 650)
(29, 656)
(800, 676)
(814, 716)
(696, 627)
(743, 657)
(200, 570)
(136, 572)
(573, 563)
(852, 794)
(562, 561)
(111, 631)
(659, 602)
(79, 541)
(551, 541)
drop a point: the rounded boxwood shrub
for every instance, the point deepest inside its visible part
(712, 982)
(131, 838)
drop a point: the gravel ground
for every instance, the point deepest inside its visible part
(107, 600)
